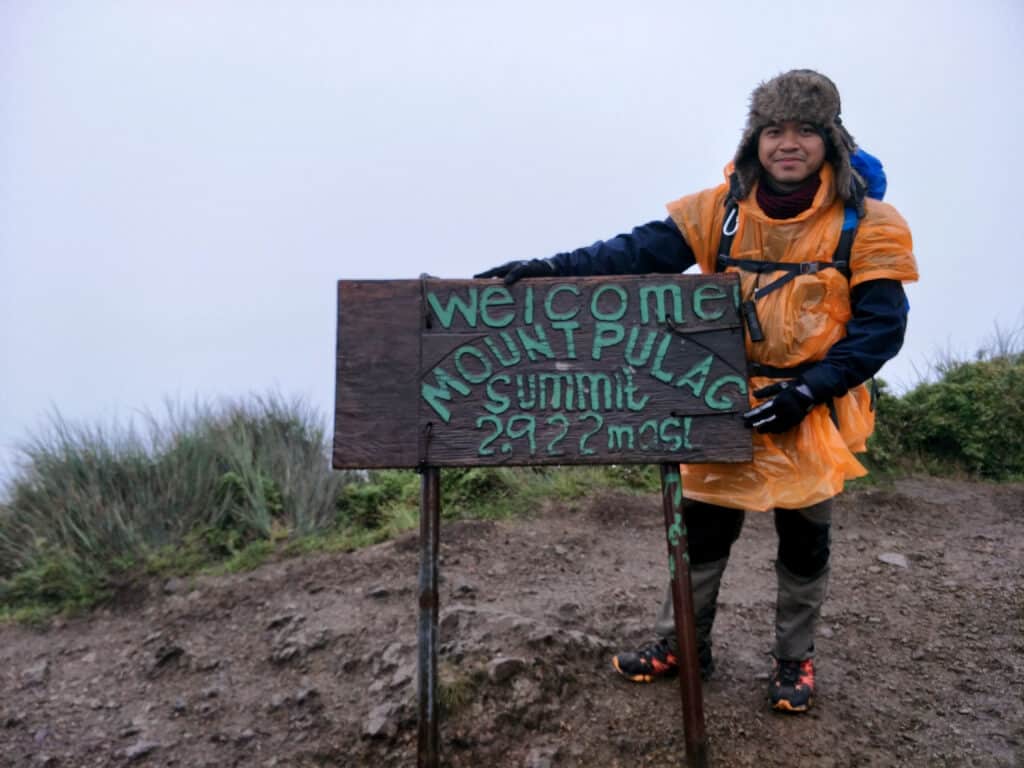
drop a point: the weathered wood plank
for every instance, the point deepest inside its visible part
(624, 369)
(377, 386)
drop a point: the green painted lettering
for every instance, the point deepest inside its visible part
(446, 314)
(697, 376)
(434, 393)
(499, 402)
(672, 440)
(510, 345)
(528, 430)
(620, 438)
(560, 419)
(613, 315)
(659, 358)
(652, 425)
(473, 378)
(629, 389)
(594, 384)
(645, 355)
(526, 403)
(724, 403)
(537, 345)
(660, 294)
(677, 530)
(708, 292)
(549, 303)
(568, 327)
(585, 450)
(606, 335)
(484, 449)
(496, 296)
(554, 400)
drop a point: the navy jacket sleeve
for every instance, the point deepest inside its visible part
(654, 247)
(874, 334)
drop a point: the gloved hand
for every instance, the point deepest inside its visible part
(790, 402)
(517, 270)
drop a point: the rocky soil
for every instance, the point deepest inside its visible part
(311, 662)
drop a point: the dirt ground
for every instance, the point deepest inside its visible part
(311, 662)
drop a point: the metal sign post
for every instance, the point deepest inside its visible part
(427, 635)
(686, 633)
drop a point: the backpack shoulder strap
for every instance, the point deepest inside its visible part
(729, 225)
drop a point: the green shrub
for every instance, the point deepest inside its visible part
(971, 419)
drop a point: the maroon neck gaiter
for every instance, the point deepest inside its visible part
(786, 205)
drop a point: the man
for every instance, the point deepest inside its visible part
(821, 268)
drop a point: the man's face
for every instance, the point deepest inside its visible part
(790, 151)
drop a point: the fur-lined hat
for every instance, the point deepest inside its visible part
(809, 97)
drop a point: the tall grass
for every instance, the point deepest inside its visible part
(86, 502)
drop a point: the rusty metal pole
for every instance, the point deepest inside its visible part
(686, 631)
(426, 633)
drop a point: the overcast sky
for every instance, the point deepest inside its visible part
(183, 183)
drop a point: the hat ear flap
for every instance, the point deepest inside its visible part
(746, 164)
(848, 186)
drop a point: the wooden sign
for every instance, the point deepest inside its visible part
(601, 370)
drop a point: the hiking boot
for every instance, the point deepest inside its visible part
(791, 688)
(648, 664)
(656, 660)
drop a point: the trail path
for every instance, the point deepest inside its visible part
(311, 662)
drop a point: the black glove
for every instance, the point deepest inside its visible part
(790, 402)
(517, 270)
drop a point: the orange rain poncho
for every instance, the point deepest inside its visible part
(801, 321)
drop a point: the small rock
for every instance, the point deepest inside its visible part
(381, 722)
(307, 695)
(166, 654)
(174, 586)
(874, 569)
(246, 736)
(894, 558)
(276, 702)
(449, 623)
(140, 749)
(378, 592)
(36, 675)
(179, 706)
(280, 620)
(391, 657)
(826, 632)
(540, 757)
(919, 654)
(502, 668)
(463, 589)
(285, 653)
(404, 674)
